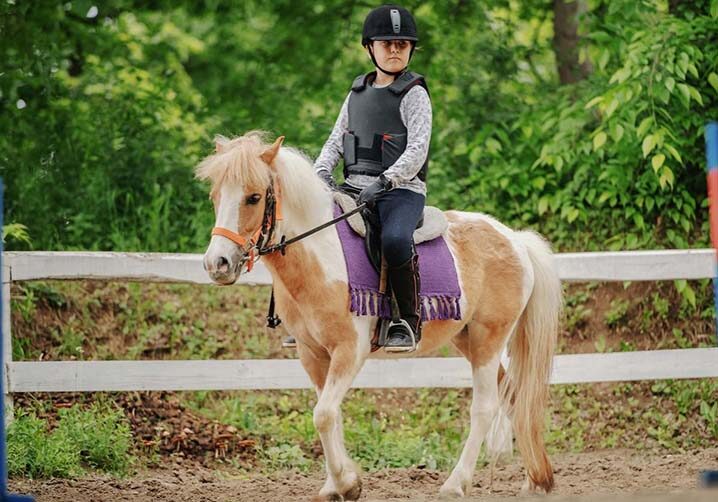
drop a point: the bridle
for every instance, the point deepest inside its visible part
(258, 243)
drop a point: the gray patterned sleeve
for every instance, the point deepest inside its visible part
(415, 109)
(333, 149)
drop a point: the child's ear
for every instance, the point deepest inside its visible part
(270, 153)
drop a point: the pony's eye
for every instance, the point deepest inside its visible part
(254, 198)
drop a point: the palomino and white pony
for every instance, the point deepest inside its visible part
(511, 300)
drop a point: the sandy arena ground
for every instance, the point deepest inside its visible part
(605, 475)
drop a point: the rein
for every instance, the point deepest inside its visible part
(284, 243)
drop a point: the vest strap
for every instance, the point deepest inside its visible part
(360, 82)
(406, 81)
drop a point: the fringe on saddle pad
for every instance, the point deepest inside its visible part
(433, 308)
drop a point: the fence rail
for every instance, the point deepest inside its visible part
(54, 376)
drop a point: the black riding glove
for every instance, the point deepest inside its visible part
(327, 178)
(373, 191)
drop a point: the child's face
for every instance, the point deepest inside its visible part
(392, 55)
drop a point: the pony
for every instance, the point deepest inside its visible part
(511, 300)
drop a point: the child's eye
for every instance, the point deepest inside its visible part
(254, 198)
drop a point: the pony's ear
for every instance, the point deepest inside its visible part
(217, 146)
(270, 153)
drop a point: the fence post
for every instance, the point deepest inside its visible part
(712, 181)
(5, 313)
(6, 343)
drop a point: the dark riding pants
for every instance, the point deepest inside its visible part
(399, 212)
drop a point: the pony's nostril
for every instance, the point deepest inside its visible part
(222, 265)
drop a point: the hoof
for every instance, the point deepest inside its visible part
(455, 489)
(354, 492)
(453, 492)
(529, 488)
(328, 497)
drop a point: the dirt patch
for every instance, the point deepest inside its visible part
(585, 474)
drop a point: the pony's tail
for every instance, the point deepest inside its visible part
(525, 388)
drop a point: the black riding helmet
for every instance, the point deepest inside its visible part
(389, 22)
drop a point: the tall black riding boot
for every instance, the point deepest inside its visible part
(405, 284)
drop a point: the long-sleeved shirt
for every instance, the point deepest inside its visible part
(415, 110)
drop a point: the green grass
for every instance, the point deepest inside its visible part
(382, 428)
(97, 437)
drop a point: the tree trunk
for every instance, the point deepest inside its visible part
(565, 42)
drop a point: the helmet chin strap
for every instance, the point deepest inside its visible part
(392, 73)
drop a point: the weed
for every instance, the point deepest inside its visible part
(34, 453)
(680, 338)
(257, 346)
(100, 434)
(284, 457)
(626, 346)
(70, 340)
(600, 345)
(616, 314)
(24, 302)
(710, 415)
(577, 317)
(661, 305)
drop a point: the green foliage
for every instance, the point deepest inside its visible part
(34, 453)
(614, 161)
(106, 116)
(575, 311)
(617, 312)
(97, 437)
(101, 434)
(16, 231)
(101, 128)
(284, 457)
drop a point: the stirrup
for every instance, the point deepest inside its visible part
(398, 350)
(289, 342)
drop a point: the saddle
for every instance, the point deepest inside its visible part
(431, 225)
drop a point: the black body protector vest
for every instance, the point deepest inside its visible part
(377, 137)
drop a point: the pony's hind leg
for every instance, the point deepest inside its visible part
(482, 346)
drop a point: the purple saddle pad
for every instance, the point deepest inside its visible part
(440, 292)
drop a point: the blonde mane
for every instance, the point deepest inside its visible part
(238, 161)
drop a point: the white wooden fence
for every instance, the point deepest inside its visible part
(88, 376)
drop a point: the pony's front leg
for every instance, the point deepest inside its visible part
(329, 489)
(484, 406)
(347, 358)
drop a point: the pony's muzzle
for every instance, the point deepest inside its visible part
(222, 269)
